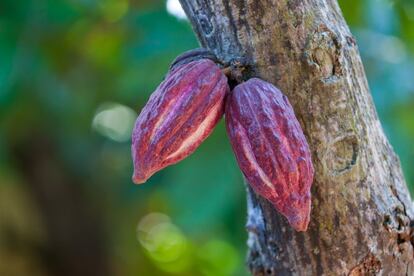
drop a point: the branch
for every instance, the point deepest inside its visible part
(360, 221)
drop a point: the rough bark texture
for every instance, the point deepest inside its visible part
(361, 210)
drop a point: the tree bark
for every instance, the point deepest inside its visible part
(361, 209)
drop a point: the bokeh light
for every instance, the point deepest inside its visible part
(165, 243)
(114, 121)
(175, 9)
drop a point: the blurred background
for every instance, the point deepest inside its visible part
(74, 74)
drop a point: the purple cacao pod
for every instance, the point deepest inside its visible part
(192, 55)
(178, 117)
(271, 149)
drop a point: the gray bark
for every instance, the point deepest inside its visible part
(361, 209)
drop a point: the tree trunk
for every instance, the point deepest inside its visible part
(361, 209)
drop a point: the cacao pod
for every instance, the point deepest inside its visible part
(179, 115)
(271, 149)
(192, 55)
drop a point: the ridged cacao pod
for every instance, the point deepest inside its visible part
(178, 117)
(192, 55)
(271, 149)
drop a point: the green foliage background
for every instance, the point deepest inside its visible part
(73, 76)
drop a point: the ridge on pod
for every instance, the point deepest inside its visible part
(178, 117)
(271, 148)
